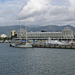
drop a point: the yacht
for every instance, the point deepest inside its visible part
(52, 42)
(21, 43)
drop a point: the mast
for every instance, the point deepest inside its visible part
(20, 28)
(61, 33)
(26, 34)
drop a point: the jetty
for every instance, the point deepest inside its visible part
(53, 46)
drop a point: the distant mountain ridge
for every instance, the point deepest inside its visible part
(52, 28)
(49, 28)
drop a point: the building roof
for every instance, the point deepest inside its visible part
(13, 31)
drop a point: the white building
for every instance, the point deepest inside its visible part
(3, 36)
(66, 33)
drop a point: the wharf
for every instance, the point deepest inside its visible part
(54, 46)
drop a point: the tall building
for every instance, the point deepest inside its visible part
(13, 32)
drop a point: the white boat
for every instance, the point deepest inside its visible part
(72, 42)
(49, 41)
(21, 43)
(27, 45)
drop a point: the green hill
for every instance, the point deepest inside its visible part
(49, 28)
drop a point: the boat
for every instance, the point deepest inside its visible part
(56, 42)
(20, 43)
(72, 42)
(27, 45)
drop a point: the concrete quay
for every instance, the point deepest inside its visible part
(54, 46)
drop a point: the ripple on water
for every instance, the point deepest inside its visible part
(36, 61)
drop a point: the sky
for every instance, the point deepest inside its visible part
(37, 12)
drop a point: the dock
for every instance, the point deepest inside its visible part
(53, 46)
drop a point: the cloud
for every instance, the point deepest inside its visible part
(48, 12)
(37, 12)
(34, 7)
(8, 11)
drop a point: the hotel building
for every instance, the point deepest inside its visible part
(67, 33)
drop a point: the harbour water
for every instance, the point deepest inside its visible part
(36, 61)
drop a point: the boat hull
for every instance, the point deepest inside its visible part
(21, 46)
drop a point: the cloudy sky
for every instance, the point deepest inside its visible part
(37, 12)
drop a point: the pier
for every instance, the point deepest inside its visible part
(54, 46)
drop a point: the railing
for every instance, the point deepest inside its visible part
(47, 38)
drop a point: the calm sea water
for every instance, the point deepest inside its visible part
(36, 61)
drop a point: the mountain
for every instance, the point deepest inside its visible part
(7, 29)
(51, 28)
(48, 28)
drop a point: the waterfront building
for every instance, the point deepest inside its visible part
(3, 36)
(67, 33)
(13, 32)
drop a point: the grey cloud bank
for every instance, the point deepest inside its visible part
(39, 12)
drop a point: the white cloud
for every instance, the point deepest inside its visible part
(38, 12)
(47, 13)
(9, 10)
(34, 7)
